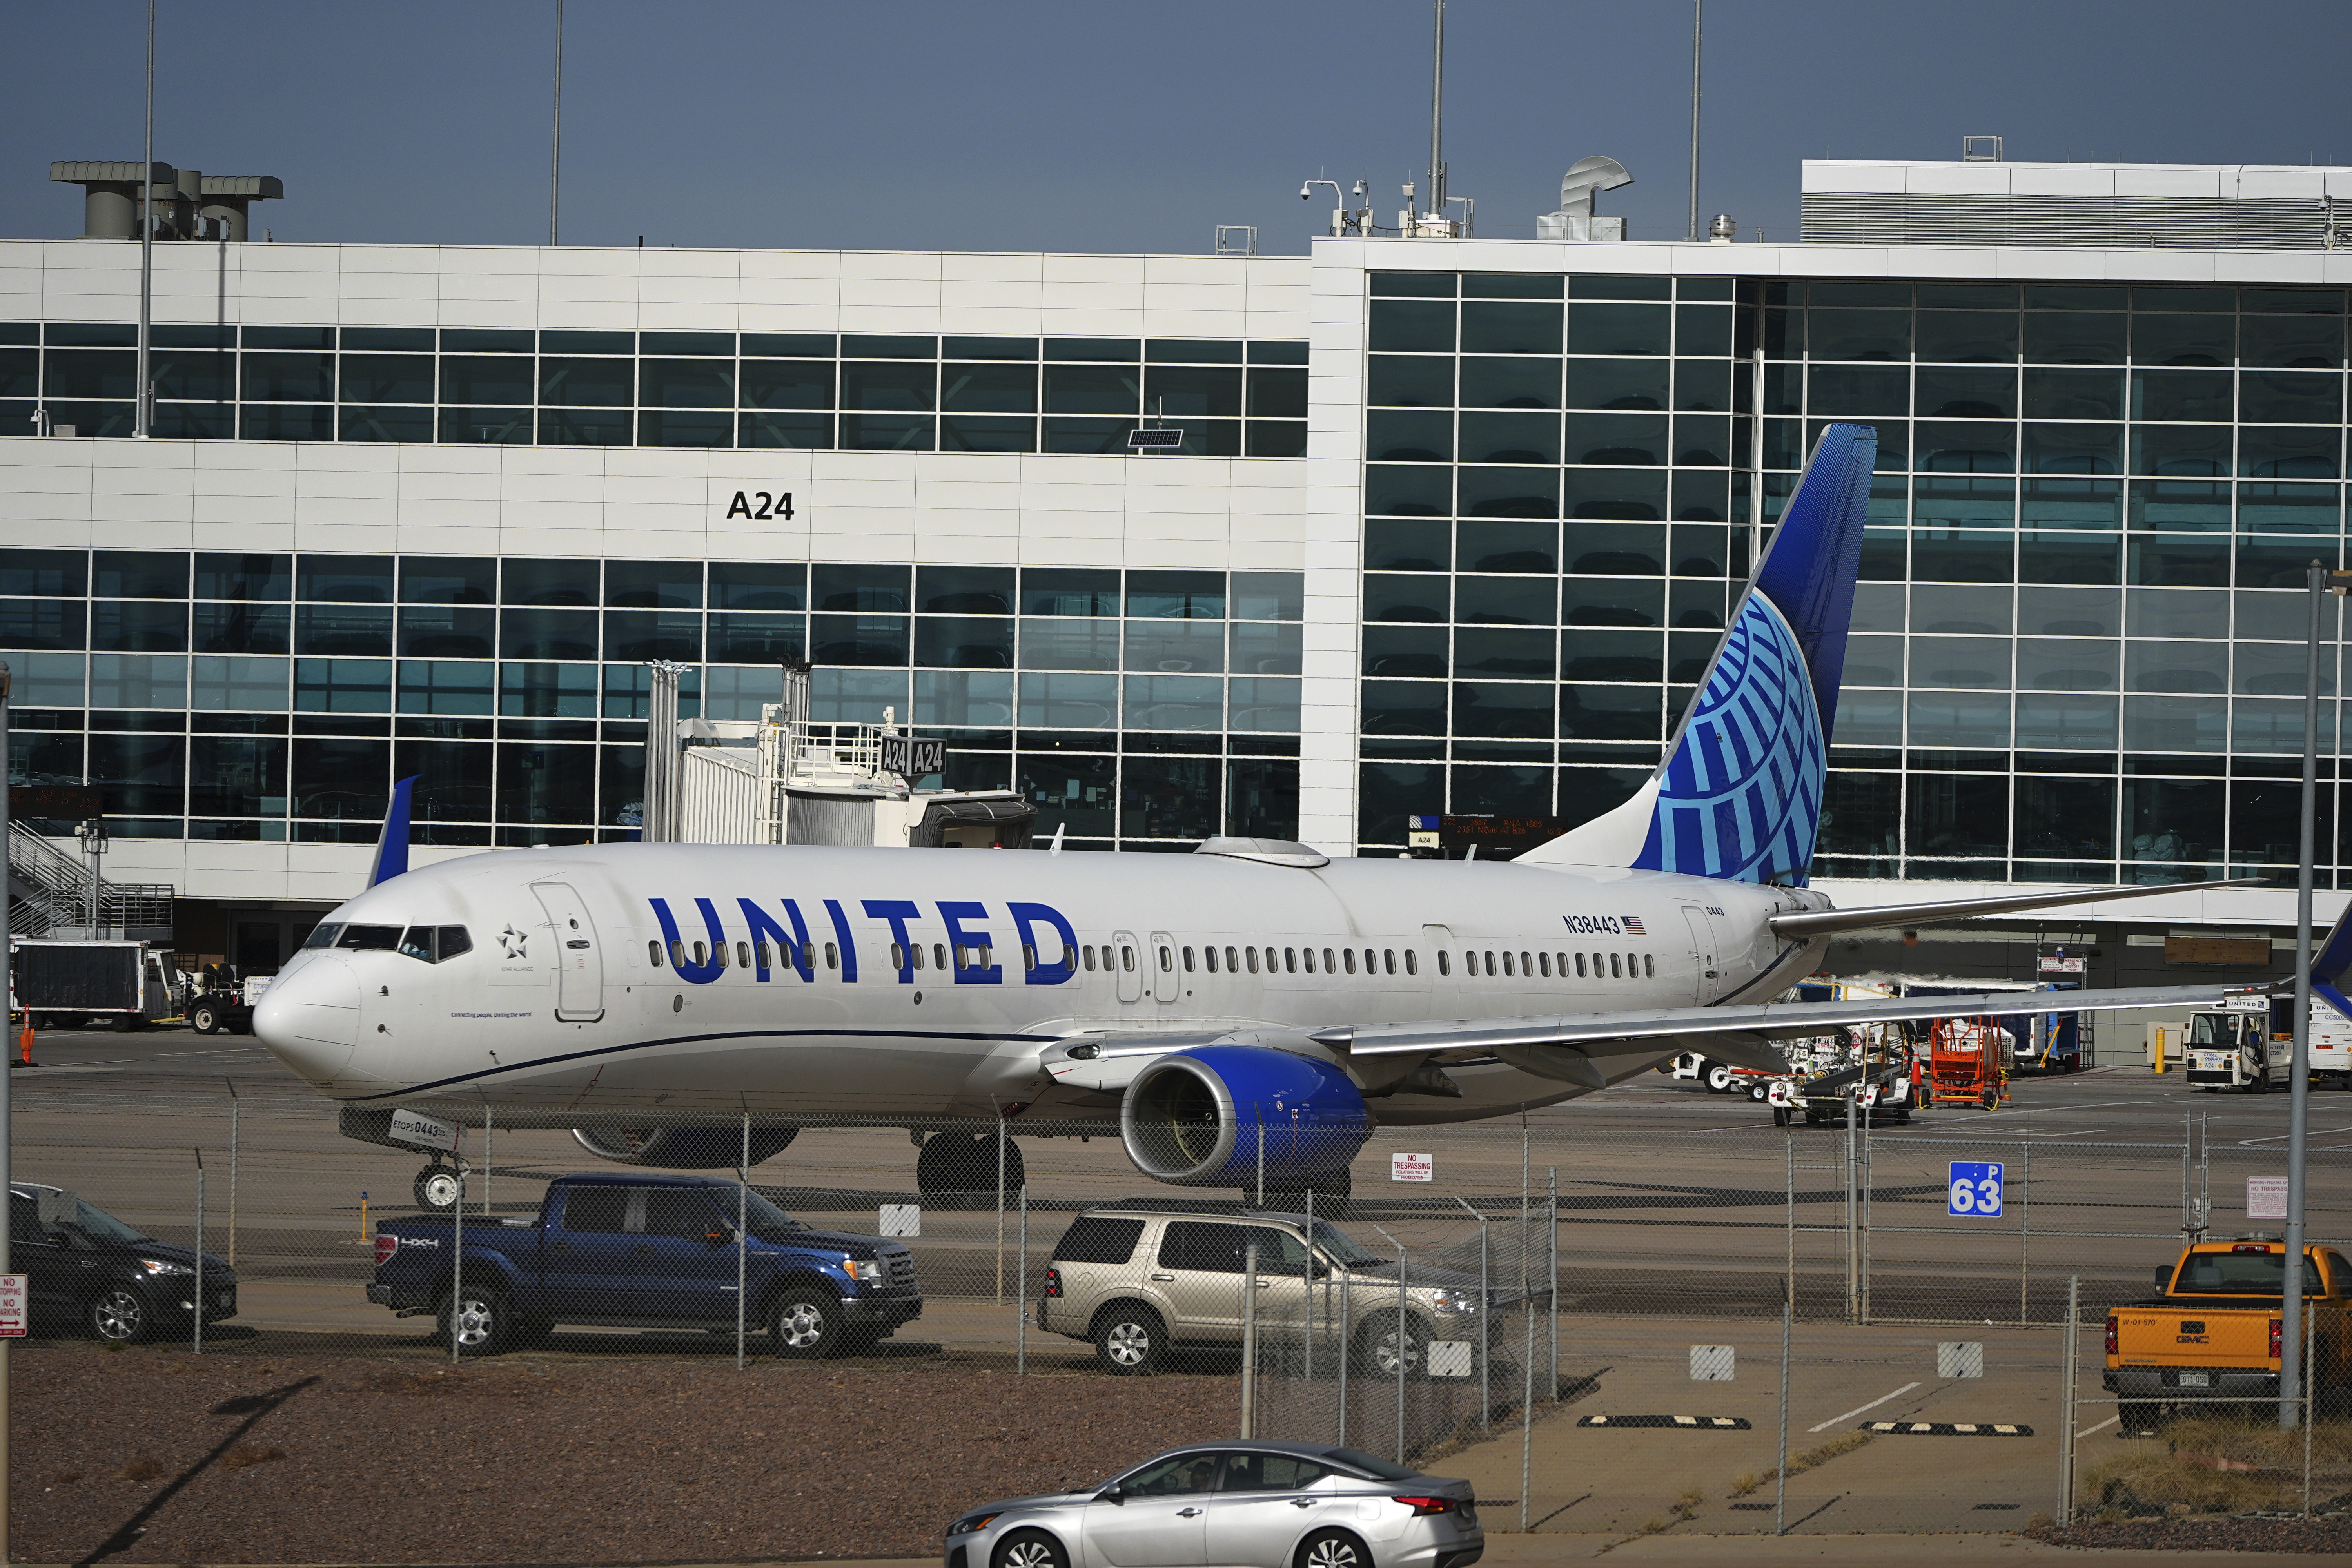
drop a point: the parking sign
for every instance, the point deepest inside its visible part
(16, 1305)
(1975, 1189)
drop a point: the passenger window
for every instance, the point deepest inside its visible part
(1268, 1473)
(1507, 964)
(600, 1209)
(1167, 961)
(1527, 966)
(1126, 958)
(1188, 961)
(1329, 966)
(1649, 967)
(682, 1211)
(1613, 971)
(1444, 962)
(1309, 954)
(1070, 959)
(743, 955)
(1543, 960)
(1253, 959)
(1201, 1247)
(1349, 953)
(1413, 964)
(1490, 965)
(897, 956)
(677, 953)
(1290, 959)
(832, 957)
(1095, 1239)
(1169, 1477)
(1087, 952)
(654, 953)
(940, 955)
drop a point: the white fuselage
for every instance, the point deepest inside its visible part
(573, 1001)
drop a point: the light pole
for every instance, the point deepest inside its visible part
(2291, 1347)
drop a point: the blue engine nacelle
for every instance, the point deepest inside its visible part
(1194, 1118)
(682, 1148)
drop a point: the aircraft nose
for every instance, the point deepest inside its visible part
(309, 1020)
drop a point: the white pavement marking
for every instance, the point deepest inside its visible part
(1860, 1408)
(2102, 1425)
(2316, 1132)
(241, 1050)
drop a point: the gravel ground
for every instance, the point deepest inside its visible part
(2331, 1537)
(148, 1456)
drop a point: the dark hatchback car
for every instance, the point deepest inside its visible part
(85, 1267)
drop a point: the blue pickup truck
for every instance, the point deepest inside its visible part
(640, 1251)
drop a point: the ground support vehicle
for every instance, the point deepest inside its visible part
(1888, 1090)
(2212, 1330)
(223, 1004)
(639, 1251)
(2230, 1050)
(1721, 1078)
(1140, 1276)
(64, 984)
(83, 1266)
(2248, 1047)
(1242, 1504)
(1968, 1060)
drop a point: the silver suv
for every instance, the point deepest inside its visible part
(1141, 1277)
(1240, 1505)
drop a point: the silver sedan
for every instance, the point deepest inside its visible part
(1234, 1505)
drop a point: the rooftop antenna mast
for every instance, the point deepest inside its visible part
(556, 139)
(1437, 117)
(142, 423)
(1698, 7)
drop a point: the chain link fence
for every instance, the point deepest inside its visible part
(1574, 1313)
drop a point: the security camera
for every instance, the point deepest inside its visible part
(1304, 193)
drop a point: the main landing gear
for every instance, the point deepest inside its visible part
(965, 1163)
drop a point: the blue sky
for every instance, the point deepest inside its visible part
(1046, 124)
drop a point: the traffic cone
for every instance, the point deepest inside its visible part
(25, 1044)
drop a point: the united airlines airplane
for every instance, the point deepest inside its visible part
(1248, 1012)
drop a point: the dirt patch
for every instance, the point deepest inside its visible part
(2317, 1536)
(157, 1456)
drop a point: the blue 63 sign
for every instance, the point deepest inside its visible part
(1975, 1189)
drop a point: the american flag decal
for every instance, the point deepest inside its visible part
(1633, 926)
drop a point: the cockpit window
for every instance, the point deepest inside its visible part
(436, 944)
(323, 935)
(370, 939)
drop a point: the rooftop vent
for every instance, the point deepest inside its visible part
(187, 203)
(1979, 148)
(1586, 179)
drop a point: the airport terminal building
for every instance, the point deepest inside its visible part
(1451, 527)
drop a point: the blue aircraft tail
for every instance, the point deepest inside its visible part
(391, 848)
(2330, 963)
(1740, 794)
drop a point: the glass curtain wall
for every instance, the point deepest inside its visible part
(2076, 649)
(269, 697)
(518, 387)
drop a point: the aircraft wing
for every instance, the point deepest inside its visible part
(1563, 1046)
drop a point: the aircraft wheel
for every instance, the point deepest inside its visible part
(966, 1163)
(1718, 1078)
(435, 1188)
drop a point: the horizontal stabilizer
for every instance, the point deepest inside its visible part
(1828, 922)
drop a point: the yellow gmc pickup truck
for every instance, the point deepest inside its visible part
(2213, 1333)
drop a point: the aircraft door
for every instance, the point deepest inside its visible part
(1127, 959)
(580, 988)
(1706, 967)
(1167, 983)
(1444, 984)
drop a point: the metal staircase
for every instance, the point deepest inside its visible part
(53, 893)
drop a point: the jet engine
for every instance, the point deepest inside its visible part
(682, 1148)
(1217, 1115)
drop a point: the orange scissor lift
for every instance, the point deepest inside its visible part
(1964, 1060)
